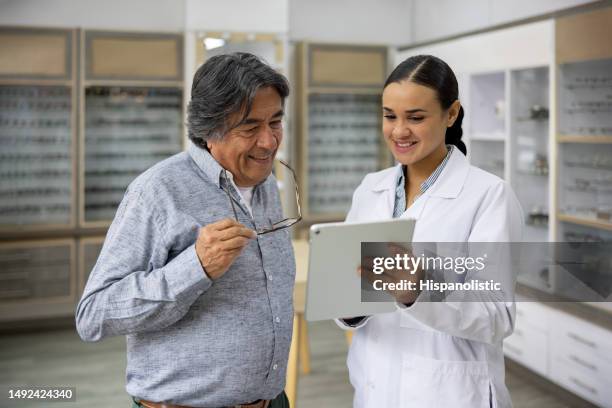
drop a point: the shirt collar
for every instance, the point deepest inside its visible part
(204, 160)
(449, 182)
(211, 167)
(432, 177)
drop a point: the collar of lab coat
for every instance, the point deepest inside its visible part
(448, 185)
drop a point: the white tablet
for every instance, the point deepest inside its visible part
(333, 288)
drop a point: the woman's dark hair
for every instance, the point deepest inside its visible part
(224, 85)
(433, 73)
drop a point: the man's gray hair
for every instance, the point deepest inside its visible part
(224, 85)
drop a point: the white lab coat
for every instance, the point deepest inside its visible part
(440, 354)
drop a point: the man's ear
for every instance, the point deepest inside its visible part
(453, 112)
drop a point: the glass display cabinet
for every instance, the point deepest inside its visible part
(127, 130)
(37, 130)
(339, 128)
(60, 183)
(132, 109)
(529, 138)
(487, 122)
(584, 127)
(38, 88)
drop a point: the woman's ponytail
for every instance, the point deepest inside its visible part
(454, 133)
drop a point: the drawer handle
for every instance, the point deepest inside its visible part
(583, 385)
(514, 349)
(583, 363)
(582, 340)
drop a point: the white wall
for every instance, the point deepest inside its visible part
(268, 16)
(131, 15)
(527, 45)
(442, 18)
(384, 22)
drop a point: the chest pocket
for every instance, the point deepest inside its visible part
(438, 383)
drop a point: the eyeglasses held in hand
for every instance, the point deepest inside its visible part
(284, 223)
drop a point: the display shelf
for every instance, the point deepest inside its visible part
(579, 232)
(339, 128)
(605, 139)
(585, 183)
(37, 131)
(489, 155)
(36, 161)
(37, 271)
(529, 148)
(587, 222)
(488, 137)
(132, 114)
(343, 141)
(127, 130)
(488, 105)
(487, 133)
(585, 107)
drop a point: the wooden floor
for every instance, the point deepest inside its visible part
(98, 370)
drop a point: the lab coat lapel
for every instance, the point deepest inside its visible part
(448, 185)
(384, 195)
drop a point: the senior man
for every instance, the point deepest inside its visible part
(195, 270)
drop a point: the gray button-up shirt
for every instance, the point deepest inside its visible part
(192, 341)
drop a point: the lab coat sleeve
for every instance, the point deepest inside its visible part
(498, 219)
(352, 217)
(133, 288)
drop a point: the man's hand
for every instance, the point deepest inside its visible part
(220, 243)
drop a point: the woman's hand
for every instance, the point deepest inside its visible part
(394, 280)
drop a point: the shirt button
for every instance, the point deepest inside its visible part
(269, 277)
(277, 319)
(275, 366)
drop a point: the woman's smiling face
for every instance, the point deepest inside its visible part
(414, 123)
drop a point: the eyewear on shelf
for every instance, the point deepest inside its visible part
(334, 186)
(22, 105)
(34, 156)
(33, 139)
(102, 206)
(113, 172)
(342, 156)
(343, 140)
(335, 199)
(129, 155)
(33, 209)
(34, 123)
(104, 189)
(125, 92)
(282, 224)
(341, 169)
(322, 98)
(593, 111)
(593, 130)
(343, 126)
(100, 122)
(28, 191)
(35, 174)
(123, 139)
(580, 237)
(33, 91)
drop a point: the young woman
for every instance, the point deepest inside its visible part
(432, 354)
